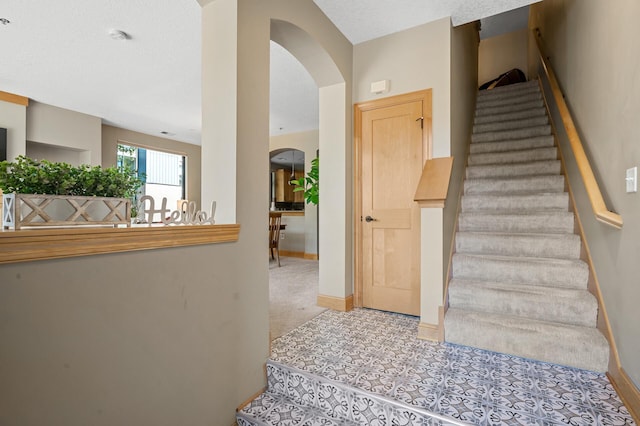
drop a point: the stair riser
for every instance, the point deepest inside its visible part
(498, 101)
(311, 390)
(565, 275)
(510, 125)
(528, 169)
(561, 223)
(531, 143)
(523, 156)
(515, 203)
(552, 246)
(547, 184)
(543, 305)
(528, 132)
(509, 108)
(510, 116)
(571, 346)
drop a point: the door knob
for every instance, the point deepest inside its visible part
(370, 219)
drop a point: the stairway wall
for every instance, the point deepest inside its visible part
(590, 45)
(464, 84)
(502, 53)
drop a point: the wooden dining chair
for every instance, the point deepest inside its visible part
(275, 220)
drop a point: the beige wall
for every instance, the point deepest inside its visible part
(54, 153)
(112, 136)
(464, 85)
(502, 53)
(59, 127)
(141, 338)
(594, 51)
(308, 143)
(415, 59)
(13, 117)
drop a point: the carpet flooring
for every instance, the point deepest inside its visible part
(518, 283)
(293, 292)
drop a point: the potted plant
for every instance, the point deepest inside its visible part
(44, 193)
(309, 183)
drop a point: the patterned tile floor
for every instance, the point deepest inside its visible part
(379, 353)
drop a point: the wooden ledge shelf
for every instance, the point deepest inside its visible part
(41, 244)
(434, 182)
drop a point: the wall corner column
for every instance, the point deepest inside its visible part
(220, 107)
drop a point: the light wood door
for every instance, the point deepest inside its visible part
(392, 155)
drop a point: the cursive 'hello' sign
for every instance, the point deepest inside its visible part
(187, 215)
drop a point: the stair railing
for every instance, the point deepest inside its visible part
(600, 210)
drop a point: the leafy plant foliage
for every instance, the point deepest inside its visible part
(309, 184)
(28, 176)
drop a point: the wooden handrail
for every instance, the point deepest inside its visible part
(434, 182)
(14, 99)
(602, 213)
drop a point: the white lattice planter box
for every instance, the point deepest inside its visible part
(37, 210)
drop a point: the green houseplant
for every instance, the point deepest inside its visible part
(309, 183)
(28, 176)
(44, 193)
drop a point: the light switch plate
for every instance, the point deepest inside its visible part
(381, 86)
(632, 179)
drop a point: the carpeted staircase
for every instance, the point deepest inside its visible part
(518, 285)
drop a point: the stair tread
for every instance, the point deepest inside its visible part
(515, 184)
(524, 259)
(509, 108)
(522, 288)
(524, 214)
(271, 408)
(521, 178)
(514, 145)
(523, 269)
(525, 96)
(550, 221)
(511, 116)
(513, 157)
(533, 235)
(570, 306)
(544, 245)
(539, 120)
(504, 94)
(517, 201)
(530, 168)
(564, 344)
(536, 195)
(504, 135)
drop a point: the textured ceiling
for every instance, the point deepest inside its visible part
(60, 53)
(362, 20)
